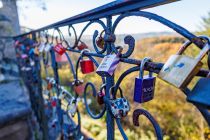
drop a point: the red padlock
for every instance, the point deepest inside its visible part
(86, 65)
(59, 49)
(101, 95)
(78, 87)
(100, 41)
(82, 46)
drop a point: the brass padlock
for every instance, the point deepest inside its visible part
(180, 69)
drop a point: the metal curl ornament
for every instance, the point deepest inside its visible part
(156, 126)
(94, 93)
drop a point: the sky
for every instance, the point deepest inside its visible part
(187, 13)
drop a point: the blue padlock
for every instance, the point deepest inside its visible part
(200, 94)
(144, 85)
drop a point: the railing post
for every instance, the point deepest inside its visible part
(110, 83)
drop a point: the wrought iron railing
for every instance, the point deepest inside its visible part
(41, 44)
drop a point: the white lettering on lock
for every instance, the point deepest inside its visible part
(150, 89)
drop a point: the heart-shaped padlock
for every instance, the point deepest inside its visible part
(59, 48)
(120, 106)
(144, 85)
(100, 41)
(78, 87)
(101, 95)
(82, 46)
(86, 65)
(109, 64)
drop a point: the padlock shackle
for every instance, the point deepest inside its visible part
(202, 53)
(143, 62)
(101, 33)
(83, 51)
(205, 49)
(184, 47)
(103, 86)
(114, 95)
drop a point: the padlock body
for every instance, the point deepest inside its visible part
(48, 47)
(41, 47)
(100, 42)
(100, 97)
(144, 89)
(59, 49)
(82, 46)
(179, 70)
(108, 65)
(79, 89)
(120, 107)
(87, 66)
(200, 94)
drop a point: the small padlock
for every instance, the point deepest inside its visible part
(72, 107)
(62, 93)
(86, 65)
(41, 47)
(100, 41)
(50, 83)
(200, 94)
(82, 46)
(48, 47)
(109, 64)
(59, 48)
(144, 85)
(119, 107)
(78, 87)
(101, 95)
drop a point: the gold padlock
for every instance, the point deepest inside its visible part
(180, 69)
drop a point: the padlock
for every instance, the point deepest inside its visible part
(180, 69)
(86, 65)
(62, 93)
(41, 47)
(48, 47)
(100, 41)
(78, 87)
(50, 83)
(109, 64)
(200, 94)
(82, 46)
(101, 94)
(120, 106)
(72, 107)
(59, 48)
(144, 85)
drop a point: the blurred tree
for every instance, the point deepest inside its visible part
(206, 25)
